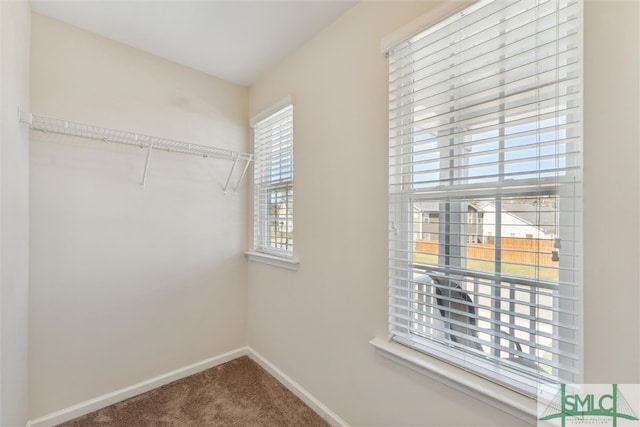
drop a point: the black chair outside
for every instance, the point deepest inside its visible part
(454, 304)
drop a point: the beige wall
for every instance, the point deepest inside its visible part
(315, 323)
(612, 192)
(129, 284)
(15, 21)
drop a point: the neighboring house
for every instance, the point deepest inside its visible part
(479, 225)
(518, 220)
(427, 221)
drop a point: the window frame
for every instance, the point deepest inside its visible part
(273, 177)
(399, 226)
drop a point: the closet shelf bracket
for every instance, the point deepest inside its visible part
(143, 184)
(238, 158)
(66, 127)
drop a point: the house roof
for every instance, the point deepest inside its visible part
(542, 216)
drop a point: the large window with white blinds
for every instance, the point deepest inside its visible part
(273, 183)
(485, 112)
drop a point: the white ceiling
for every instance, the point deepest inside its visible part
(238, 41)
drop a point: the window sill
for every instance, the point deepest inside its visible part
(288, 263)
(499, 397)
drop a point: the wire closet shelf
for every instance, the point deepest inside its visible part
(66, 127)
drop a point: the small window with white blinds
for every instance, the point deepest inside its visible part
(485, 125)
(273, 184)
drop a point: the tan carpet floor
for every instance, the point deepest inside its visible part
(236, 393)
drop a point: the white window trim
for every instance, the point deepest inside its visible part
(437, 14)
(289, 262)
(498, 396)
(283, 103)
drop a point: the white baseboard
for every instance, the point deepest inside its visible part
(327, 414)
(105, 400)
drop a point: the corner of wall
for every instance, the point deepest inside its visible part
(14, 212)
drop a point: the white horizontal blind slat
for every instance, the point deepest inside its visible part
(485, 134)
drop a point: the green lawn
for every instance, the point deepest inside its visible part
(544, 273)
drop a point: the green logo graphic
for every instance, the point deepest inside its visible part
(580, 406)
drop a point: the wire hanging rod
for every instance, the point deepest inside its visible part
(66, 127)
